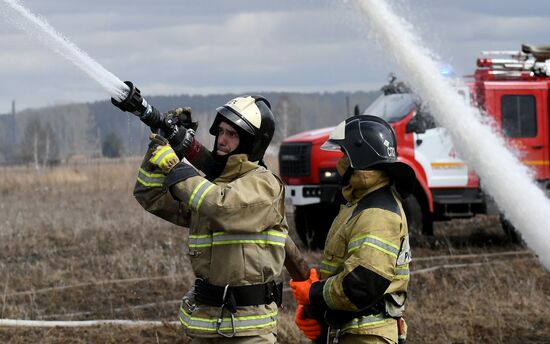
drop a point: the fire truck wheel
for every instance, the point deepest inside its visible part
(419, 220)
(313, 222)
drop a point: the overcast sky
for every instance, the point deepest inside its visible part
(218, 46)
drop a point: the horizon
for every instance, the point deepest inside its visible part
(186, 94)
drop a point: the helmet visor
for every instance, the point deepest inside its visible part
(331, 146)
(231, 116)
(338, 134)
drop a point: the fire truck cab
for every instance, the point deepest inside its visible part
(511, 92)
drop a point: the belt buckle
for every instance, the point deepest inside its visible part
(190, 306)
(188, 301)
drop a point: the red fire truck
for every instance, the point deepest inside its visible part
(510, 87)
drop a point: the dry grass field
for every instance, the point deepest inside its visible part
(75, 245)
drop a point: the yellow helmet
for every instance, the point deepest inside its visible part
(251, 116)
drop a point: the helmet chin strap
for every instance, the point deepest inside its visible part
(219, 162)
(347, 176)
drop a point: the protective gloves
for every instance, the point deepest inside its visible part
(300, 290)
(181, 139)
(163, 155)
(182, 129)
(181, 117)
(310, 327)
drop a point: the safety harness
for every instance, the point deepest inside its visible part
(230, 297)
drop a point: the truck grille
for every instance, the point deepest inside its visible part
(294, 159)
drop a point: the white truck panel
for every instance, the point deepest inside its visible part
(435, 152)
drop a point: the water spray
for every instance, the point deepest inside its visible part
(503, 176)
(14, 12)
(124, 94)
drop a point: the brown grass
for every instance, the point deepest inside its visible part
(74, 244)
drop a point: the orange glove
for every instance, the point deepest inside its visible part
(310, 327)
(300, 290)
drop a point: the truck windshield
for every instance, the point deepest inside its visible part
(391, 107)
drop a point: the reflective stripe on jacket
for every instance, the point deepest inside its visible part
(365, 261)
(237, 231)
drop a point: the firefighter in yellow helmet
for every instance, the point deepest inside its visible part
(360, 295)
(236, 219)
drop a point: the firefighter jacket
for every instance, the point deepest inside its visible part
(237, 232)
(365, 267)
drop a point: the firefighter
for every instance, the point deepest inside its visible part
(237, 225)
(360, 295)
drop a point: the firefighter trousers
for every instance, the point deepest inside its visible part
(259, 339)
(363, 339)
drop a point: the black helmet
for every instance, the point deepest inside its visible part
(251, 116)
(369, 143)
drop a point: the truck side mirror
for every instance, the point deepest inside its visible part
(416, 125)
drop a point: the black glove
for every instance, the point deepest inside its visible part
(181, 139)
(180, 130)
(181, 117)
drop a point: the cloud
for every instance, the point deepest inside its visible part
(220, 46)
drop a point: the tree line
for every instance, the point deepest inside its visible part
(59, 133)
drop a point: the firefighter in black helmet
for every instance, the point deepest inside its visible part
(361, 291)
(237, 224)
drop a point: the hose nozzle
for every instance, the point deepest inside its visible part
(136, 104)
(133, 102)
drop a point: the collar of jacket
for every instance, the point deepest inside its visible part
(362, 183)
(236, 166)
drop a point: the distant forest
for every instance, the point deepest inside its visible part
(90, 130)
